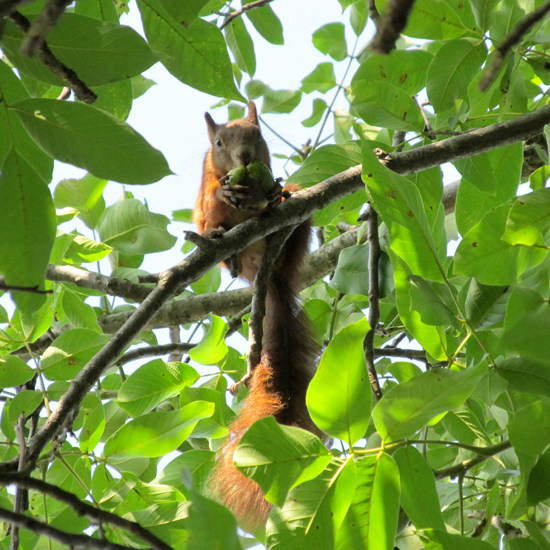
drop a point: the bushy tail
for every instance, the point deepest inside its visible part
(278, 386)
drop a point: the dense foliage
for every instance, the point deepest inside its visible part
(456, 452)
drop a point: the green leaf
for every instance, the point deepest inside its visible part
(210, 525)
(324, 163)
(433, 301)
(382, 104)
(523, 301)
(418, 491)
(184, 12)
(91, 139)
(197, 56)
(485, 305)
(84, 250)
(152, 383)
(197, 463)
(156, 433)
(525, 339)
(70, 352)
(484, 255)
(417, 241)
(79, 313)
(526, 375)
(319, 107)
(241, 45)
(209, 282)
(538, 179)
(479, 171)
(267, 24)
(24, 403)
(349, 393)
(351, 275)
(12, 132)
(529, 218)
(529, 433)
(406, 69)
(484, 12)
(358, 17)
(434, 539)
(371, 521)
(28, 225)
(86, 195)
(434, 20)
(464, 426)
(330, 39)
(279, 457)
(93, 425)
(212, 349)
(451, 71)
(472, 204)
(98, 51)
(280, 101)
(129, 227)
(313, 511)
(431, 338)
(413, 404)
(14, 372)
(321, 79)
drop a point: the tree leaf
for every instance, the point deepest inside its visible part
(321, 79)
(70, 352)
(351, 275)
(314, 511)
(98, 51)
(241, 45)
(280, 101)
(28, 225)
(129, 227)
(433, 301)
(526, 375)
(267, 24)
(371, 521)
(411, 405)
(524, 337)
(319, 107)
(212, 348)
(529, 218)
(184, 12)
(156, 433)
(152, 383)
(197, 56)
(24, 403)
(91, 139)
(14, 372)
(434, 539)
(418, 491)
(349, 392)
(485, 305)
(279, 457)
(330, 39)
(453, 67)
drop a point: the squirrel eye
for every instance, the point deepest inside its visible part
(219, 142)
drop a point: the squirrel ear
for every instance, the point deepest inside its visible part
(211, 126)
(252, 113)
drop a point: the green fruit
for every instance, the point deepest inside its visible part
(237, 175)
(260, 172)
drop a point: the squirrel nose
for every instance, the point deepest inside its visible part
(246, 156)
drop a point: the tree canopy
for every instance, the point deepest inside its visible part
(431, 300)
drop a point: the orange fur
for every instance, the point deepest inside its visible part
(279, 383)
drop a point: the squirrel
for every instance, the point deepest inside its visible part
(279, 382)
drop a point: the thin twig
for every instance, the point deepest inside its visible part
(374, 300)
(253, 5)
(511, 40)
(68, 76)
(82, 508)
(154, 351)
(175, 338)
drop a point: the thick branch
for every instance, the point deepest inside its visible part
(390, 25)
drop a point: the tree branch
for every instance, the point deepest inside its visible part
(82, 508)
(390, 25)
(154, 351)
(69, 539)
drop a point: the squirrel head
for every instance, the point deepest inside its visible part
(236, 143)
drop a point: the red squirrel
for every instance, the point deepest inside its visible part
(278, 384)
